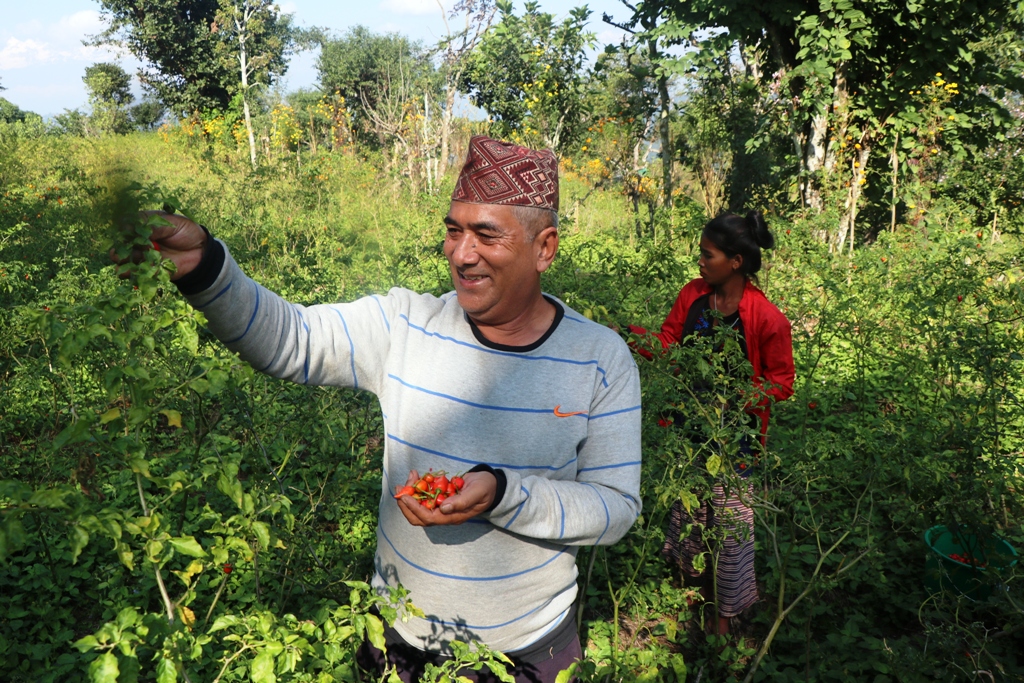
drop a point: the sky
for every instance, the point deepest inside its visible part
(42, 58)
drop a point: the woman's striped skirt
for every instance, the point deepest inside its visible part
(735, 581)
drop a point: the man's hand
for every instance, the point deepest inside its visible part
(475, 497)
(180, 240)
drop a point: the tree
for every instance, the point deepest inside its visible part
(109, 95)
(10, 112)
(147, 114)
(649, 44)
(370, 70)
(623, 90)
(529, 74)
(176, 41)
(454, 50)
(254, 40)
(179, 43)
(71, 122)
(18, 123)
(841, 73)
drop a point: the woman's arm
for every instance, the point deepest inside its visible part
(777, 369)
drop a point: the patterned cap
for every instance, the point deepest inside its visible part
(499, 172)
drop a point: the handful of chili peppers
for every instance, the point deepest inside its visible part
(432, 489)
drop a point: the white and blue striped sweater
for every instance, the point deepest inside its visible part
(562, 421)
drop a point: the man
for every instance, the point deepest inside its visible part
(540, 405)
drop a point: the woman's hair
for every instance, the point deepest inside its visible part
(745, 236)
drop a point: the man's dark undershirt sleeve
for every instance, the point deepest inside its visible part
(499, 489)
(205, 274)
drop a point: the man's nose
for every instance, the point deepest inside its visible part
(465, 250)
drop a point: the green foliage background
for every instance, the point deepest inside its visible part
(135, 451)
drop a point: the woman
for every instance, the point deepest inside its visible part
(725, 294)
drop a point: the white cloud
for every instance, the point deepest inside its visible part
(17, 54)
(610, 37)
(77, 26)
(60, 41)
(415, 6)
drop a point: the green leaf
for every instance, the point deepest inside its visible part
(104, 669)
(714, 464)
(375, 632)
(85, 644)
(127, 617)
(79, 539)
(689, 500)
(48, 498)
(173, 417)
(228, 484)
(187, 545)
(499, 670)
(565, 675)
(223, 622)
(262, 532)
(262, 668)
(166, 672)
(110, 416)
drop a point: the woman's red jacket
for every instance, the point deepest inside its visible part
(766, 330)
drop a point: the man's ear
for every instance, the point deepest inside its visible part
(545, 245)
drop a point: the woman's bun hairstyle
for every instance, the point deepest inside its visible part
(745, 236)
(759, 230)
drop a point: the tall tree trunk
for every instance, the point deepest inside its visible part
(895, 160)
(447, 117)
(664, 131)
(248, 131)
(848, 223)
(819, 151)
(243, 63)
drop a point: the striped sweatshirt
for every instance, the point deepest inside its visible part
(560, 418)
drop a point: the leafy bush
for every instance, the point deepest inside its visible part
(176, 516)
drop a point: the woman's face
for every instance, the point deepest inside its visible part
(715, 267)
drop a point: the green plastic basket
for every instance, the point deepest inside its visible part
(943, 573)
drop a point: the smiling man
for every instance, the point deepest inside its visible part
(539, 404)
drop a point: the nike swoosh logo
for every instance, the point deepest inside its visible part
(559, 413)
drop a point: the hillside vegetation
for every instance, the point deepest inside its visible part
(169, 514)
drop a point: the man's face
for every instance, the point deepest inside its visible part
(495, 267)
